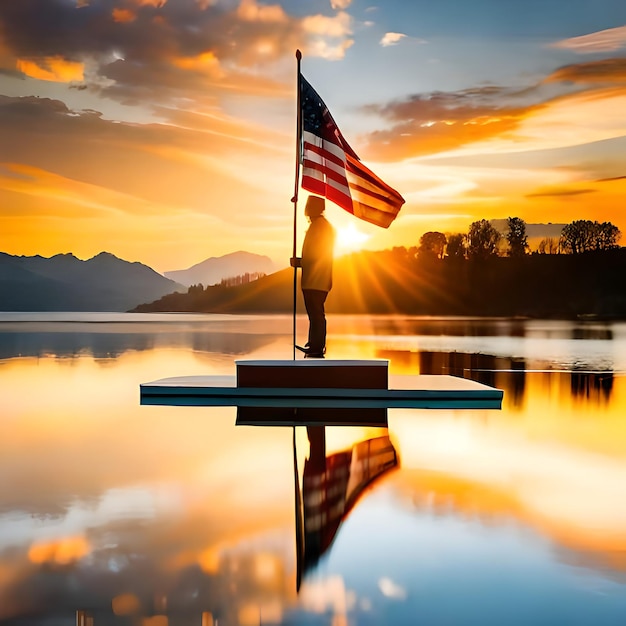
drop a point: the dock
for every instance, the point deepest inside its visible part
(323, 383)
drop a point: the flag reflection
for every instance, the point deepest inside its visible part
(331, 483)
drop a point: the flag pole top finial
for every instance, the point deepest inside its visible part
(298, 54)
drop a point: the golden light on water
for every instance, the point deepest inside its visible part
(189, 492)
(60, 551)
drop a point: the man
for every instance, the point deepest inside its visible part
(317, 274)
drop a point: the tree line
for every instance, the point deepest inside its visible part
(483, 240)
(231, 281)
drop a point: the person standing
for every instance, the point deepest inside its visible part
(317, 274)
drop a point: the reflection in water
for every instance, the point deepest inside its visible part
(288, 416)
(112, 345)
(508, 374)
(432, 327)
(155, 516)
(591, 331)
(331, 486)
(593, 386)
(111, 335)
(331, 483)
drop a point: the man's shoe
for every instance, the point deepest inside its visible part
(315, 354)
(311, 354)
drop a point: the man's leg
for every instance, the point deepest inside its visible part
(314, 300)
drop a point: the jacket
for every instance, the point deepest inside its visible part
(317, 255)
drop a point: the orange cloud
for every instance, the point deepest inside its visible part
(163, 51)
(603, 71)
(338, 26)
(54, 69)
(206, 62)
(123, 16)
(251, 11)
(328, 37)
(419, 137)
(550, 192)
(126, 604)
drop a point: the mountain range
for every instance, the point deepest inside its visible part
(65, 283)
(211, 271)
(394, 281)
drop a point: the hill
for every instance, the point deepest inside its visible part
(65, 283)
(211, 271)
(539, 285)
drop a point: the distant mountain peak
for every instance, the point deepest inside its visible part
(212, 270)
(61, 255)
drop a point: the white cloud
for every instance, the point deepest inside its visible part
(391, 39)
(601, 41)
(391, 590)
(340, 4)
(323, 49)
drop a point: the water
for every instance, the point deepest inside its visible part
(112, 512)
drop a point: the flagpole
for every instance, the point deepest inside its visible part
(295, 196)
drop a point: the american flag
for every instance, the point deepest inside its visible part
(332, 169)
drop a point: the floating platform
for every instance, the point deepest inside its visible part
(322, 383)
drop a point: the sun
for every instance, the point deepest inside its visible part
(350, 238)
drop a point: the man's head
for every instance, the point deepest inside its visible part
(314, 206)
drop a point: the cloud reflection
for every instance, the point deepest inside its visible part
(133, 513)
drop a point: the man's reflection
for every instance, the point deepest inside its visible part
(331, 486)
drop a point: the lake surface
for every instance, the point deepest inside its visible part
(112, 512)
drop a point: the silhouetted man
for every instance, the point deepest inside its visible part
(317, 274)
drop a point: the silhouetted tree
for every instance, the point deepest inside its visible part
(432, 243)
(482, 240)
(199, 288)
(241, 279)
(456, 247)
(584, 235)
(608, 236)
(516, 236)
(549, 245)
(576, 237)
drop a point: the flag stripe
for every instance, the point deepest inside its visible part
(370, 180)
(329, 176)
(333, 151)
(319, 163)
(339, 194)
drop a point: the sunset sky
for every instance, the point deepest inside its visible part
(163, 131)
